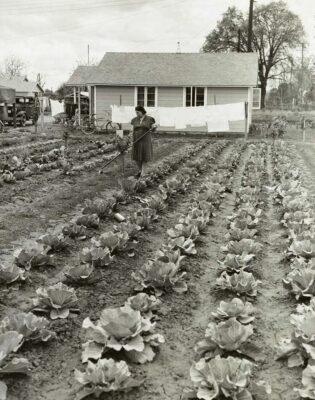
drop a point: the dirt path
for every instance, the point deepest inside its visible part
(274, 303)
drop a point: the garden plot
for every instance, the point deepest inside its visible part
(120, 275)
(199, 278)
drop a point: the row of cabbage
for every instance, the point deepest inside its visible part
(297, 218)
(219, 370)
(14, 168)
(129, 330)
(58, 300)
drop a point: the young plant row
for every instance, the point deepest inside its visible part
(18, 168)
(297, 219)
(163, 273)
(59, 300)
(219, 370)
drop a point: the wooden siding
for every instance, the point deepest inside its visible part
(170, 96)
(113, 95)
(226, 95)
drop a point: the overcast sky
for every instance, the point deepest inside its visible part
(51, 36)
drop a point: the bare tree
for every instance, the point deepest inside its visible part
(13, 66)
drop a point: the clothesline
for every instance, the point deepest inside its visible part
(215, 117)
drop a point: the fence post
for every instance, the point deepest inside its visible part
(246, 120)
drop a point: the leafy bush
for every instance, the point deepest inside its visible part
(102, 208)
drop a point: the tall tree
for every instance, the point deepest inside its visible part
(276, 30)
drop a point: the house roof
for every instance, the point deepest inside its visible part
(172, 69)
(21, 86)
(81, 75)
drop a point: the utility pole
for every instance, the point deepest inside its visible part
(302, 71)
(250, 26)
(239, 33)
(88, 54)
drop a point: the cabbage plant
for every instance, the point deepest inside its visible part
(144, 218)
(157, 203)
(187, 230)
(228, 335)
(236, 262)
(308, 382)
(102, 208)
(160, 277)
(114, 241)
(10, 342)
(301, 282)
(239, 234)
(301, 345)
(243, 283)
(105, 376)
(57, 299)
(89, 221)
(236, 308)
(32, 255)
(244, 246)
(166, 255)
(304, 248)
(75, 231)
(186, 246)
(55, 242)
(121, 329)
(81, 274)
(32, 328)
(11, 273)
(97, 256)
(146, 304)
(222, 377)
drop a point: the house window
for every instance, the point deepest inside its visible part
(146, 96)
(140, 97)
(256, 98)
(195, 96)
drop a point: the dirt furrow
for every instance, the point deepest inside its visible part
(274, 304)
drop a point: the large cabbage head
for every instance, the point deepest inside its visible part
(229, 377)
(28, 325)
(301, 282)
(58, 298)
(105, 376)
(236, 308)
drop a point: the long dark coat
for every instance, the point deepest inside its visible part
(142, 151)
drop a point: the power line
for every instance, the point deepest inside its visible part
(62, 8)
(68, 28)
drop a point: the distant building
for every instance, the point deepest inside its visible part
(170, 80)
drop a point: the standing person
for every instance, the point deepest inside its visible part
(142, 151)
